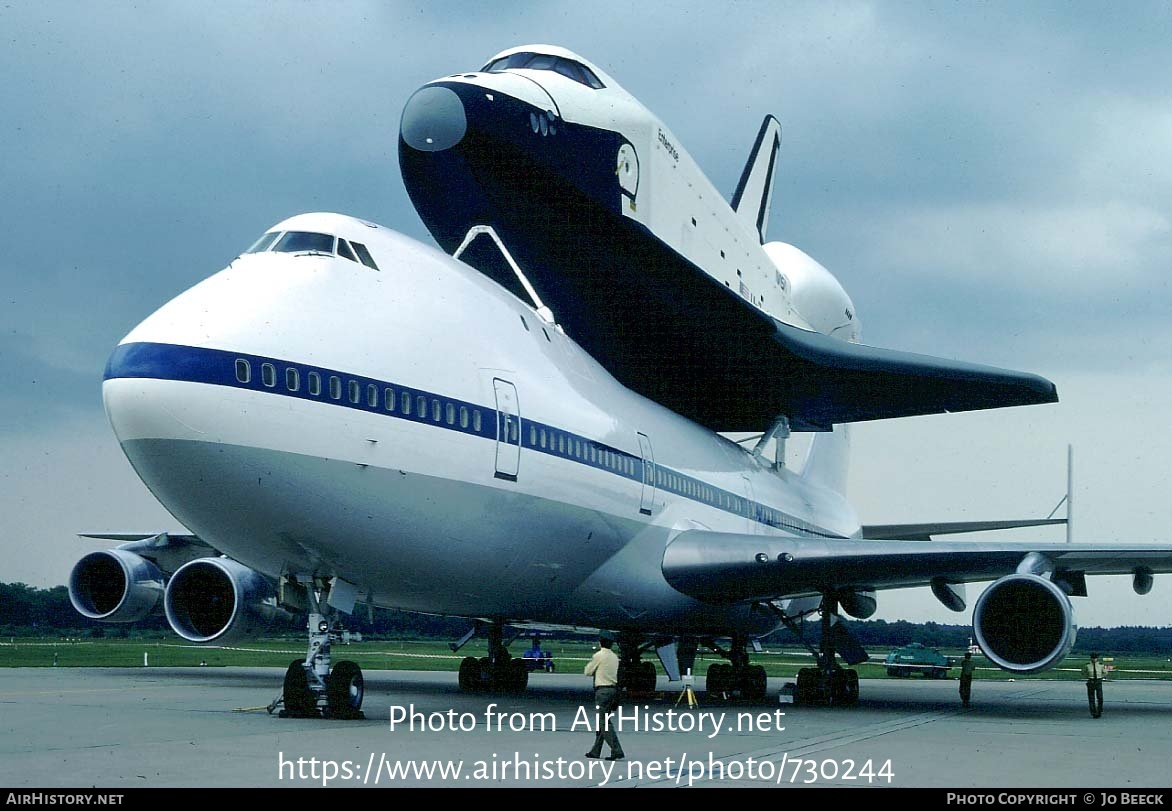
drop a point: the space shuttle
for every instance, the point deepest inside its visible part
(540, 170)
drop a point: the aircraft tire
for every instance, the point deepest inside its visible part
(646, 678)
(469, 674)
(345, 689)
(485, 681)
(844, 688)
(299, 700)
(812, 689)
(755, 683)
(517, 676)
(715, 681)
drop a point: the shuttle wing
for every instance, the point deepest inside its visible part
(829, 381)
(726, 567)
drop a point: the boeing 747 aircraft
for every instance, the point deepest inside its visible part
(344, 416)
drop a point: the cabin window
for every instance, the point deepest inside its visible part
(355, 391)
(314, 384)
(421, 406)
(435, 410)
(372, 395)
(450, 414)
(532, 437)
(561, 443)
(463, 416)
(476, 421)
(292, 379)
(389, 399)
(405, 403)
(268, 374)
(243, 370)
(335, 387)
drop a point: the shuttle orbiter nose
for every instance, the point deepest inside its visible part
(433, 120)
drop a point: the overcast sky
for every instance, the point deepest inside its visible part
(991, 182)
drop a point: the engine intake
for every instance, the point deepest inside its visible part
(1024, 623)
(219, 600)
(115, 586)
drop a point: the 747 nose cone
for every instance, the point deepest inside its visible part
(433, 119)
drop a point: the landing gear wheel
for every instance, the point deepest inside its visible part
(345, 689)
(844, 688)
(811, 689)
(484, 680)
(646, 677)
(717, 680)
(469, 674)
(754, 683)
(516, 676)
(299, 700)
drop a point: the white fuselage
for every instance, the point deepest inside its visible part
(532, 487)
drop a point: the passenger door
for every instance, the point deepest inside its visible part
(508, 430)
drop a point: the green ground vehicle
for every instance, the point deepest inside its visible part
(915, 658)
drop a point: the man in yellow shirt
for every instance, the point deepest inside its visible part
(604, 667)
(1094, 673)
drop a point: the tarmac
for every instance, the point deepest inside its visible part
(208, 727)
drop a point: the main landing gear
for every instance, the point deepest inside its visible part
(738, 678)
(828, 684)
(498, 672)
(636, 677)
(315, 688)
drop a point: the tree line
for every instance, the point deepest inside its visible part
(26, 611)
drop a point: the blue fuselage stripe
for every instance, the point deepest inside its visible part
(220, 368)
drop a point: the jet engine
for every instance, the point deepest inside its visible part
(115, 585)
(1024, 623)
(219, 600)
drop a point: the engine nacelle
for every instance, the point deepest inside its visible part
(859, 604)
(219, 600)
(115, 585)
(1024, 623)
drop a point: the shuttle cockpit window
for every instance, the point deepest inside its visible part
(313, 242)
(532, 61)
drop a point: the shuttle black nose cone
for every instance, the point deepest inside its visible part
(433, 120)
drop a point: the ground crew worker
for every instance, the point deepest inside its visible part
(1094, 673)
(967, 668)
(604, 667)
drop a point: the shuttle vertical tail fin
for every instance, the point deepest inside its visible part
(828, 460)
(755, 190)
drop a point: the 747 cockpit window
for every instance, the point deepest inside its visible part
(264, 242)
(312, 242)
(532, 61)
(299, 241)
